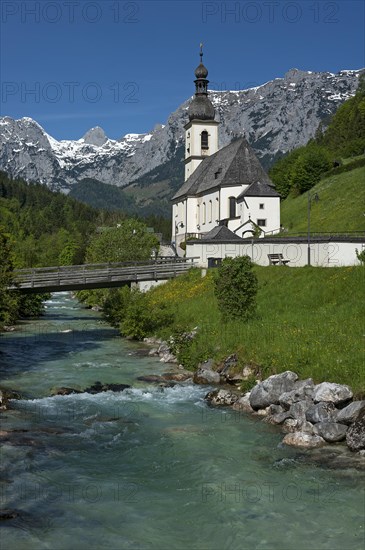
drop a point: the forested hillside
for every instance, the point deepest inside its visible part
(44, 228)
(344, 138)
(133, 201)
(39, 227)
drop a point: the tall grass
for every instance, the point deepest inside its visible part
(310, 320)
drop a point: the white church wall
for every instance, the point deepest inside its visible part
(261, 209)
(323, 254)
(191, 210)
(208, 207)
(227, 192)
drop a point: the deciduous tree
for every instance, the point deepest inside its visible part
(128, 241)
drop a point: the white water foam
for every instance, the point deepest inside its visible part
(176, 394)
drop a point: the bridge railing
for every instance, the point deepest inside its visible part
(69, 268)
(88, 274)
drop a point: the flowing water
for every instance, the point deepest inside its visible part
(149, 467)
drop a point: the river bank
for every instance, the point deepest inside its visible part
(307, 321)
(312, 415)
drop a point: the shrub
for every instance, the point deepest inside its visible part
(141, 319)
(236, 288)
(116, 304)
(360, 256)
(191, 347)
(32, 305)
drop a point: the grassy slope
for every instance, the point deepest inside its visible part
(310, 320)
(339, 210)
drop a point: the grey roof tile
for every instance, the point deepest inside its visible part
(258, 189)
(221, 233)
(235, 164)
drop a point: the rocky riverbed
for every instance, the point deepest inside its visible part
(311, 415)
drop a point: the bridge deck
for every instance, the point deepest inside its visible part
(89, 276)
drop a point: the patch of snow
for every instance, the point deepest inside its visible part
(334, 97)
(255, 88)
(133, 137)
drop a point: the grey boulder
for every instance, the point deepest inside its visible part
(269, 391)
(355, 435)
(333, 393)
(321, 412)
(221, 398)
(303, 389)
(206, 375)
(299, 409)
(243, 404)
(303, 440)
(351, 413)
(331, 431)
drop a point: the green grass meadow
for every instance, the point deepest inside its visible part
(309, 320)
(340, 209)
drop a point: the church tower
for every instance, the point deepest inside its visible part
(201, 132)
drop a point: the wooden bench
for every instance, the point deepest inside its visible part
(277, 259)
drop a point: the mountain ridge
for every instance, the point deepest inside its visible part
(274, 117)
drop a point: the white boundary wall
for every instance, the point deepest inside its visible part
(323, 253)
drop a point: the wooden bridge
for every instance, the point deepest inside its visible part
(88, 276)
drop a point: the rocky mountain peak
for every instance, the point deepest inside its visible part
(95, 136)
(275, 117)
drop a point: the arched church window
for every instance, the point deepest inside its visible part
(232, 207)
(210, 211)
(204, 140)
(204, 212)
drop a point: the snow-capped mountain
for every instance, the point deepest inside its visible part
(275, 117)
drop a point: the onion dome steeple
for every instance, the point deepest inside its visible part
(201, 72)
(201, 107)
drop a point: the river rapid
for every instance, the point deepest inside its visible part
(149, 467)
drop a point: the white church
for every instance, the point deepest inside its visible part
(226, 192)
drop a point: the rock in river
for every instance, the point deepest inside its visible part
(206, 375)
(270, 390)
(331, 431)
(355, 435)
(221, 397)
(304, 440)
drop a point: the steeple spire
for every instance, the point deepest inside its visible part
(201, 107)
(201, 73)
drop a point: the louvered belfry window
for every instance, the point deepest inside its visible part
(204, 140)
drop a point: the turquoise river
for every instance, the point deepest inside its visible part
(150, 467)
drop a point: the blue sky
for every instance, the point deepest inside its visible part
(126, 65)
